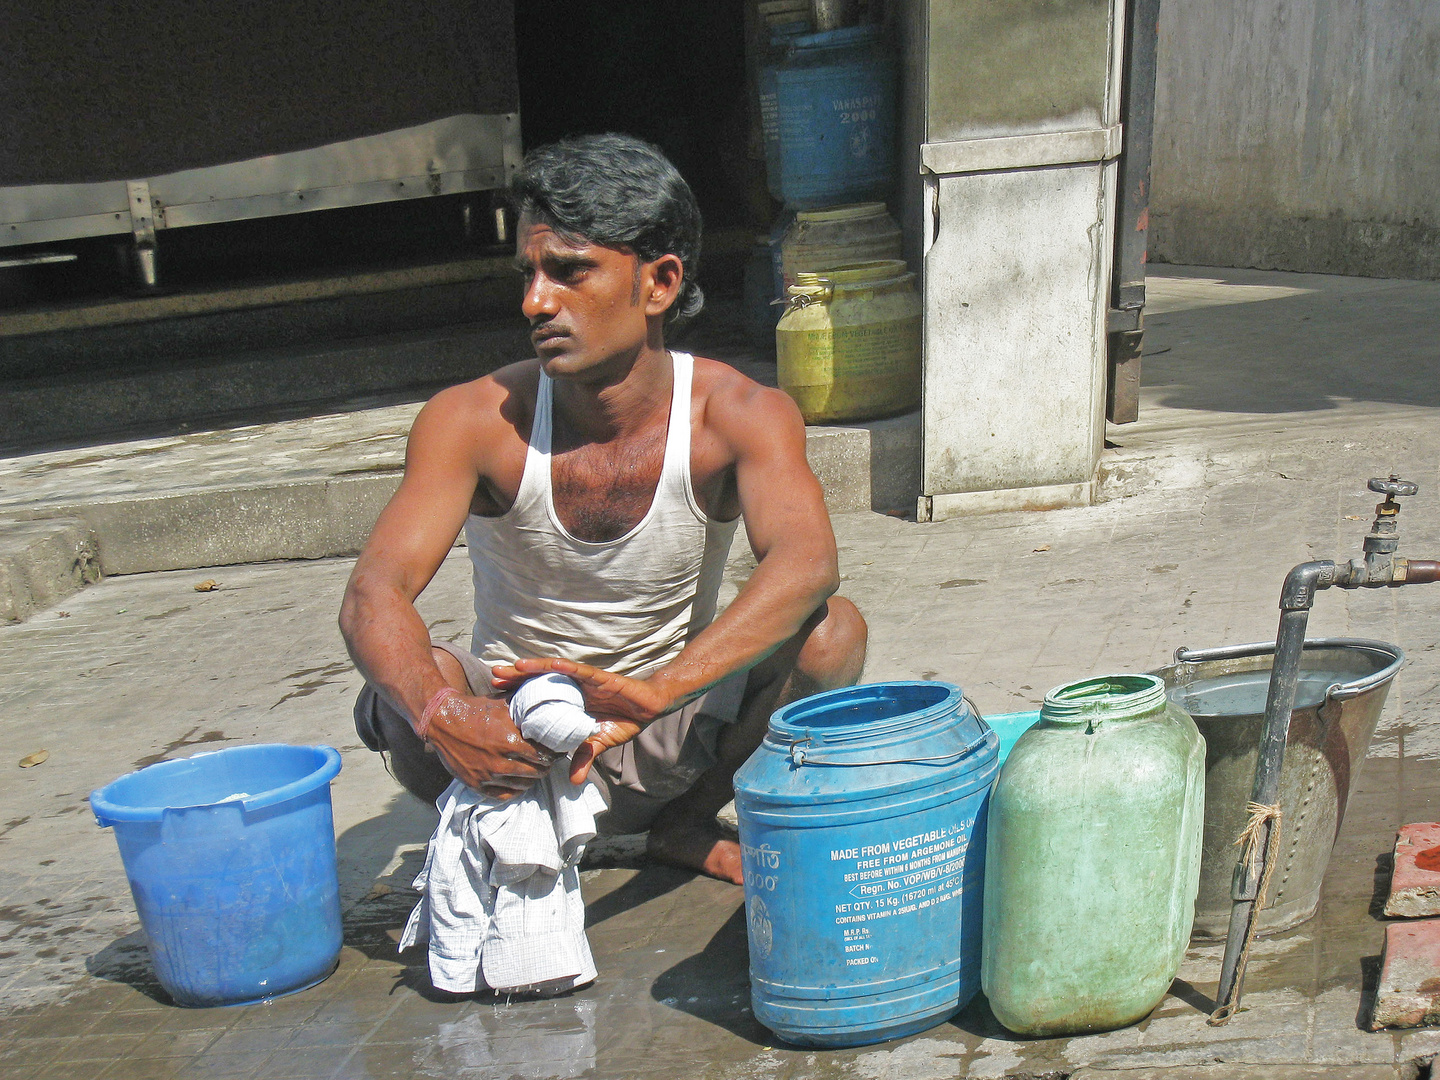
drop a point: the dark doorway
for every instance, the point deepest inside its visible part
(670, 71)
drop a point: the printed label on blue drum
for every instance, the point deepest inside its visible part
(761, 867)
(892, 878)
(762, 931)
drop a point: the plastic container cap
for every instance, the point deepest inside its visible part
(1110, 697)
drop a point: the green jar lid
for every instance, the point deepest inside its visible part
(1109, 697)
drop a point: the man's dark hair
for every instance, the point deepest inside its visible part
(616, 191)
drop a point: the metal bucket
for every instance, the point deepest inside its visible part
(1343, 684)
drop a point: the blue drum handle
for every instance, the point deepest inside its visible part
(800, 756)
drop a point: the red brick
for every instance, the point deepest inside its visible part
(1414, 892)
(1409, 990)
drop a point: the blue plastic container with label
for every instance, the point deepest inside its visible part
(862, 830)
(769, 96)
(231, 861)
(834, 119)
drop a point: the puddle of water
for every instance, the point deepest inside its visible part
(551, 1040)
(188, 739)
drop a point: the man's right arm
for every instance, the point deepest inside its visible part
(386, 636)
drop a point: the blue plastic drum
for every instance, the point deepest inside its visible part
(862, 829)
(231, 860)
(835, 118)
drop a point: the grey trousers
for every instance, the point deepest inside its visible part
(639, 777)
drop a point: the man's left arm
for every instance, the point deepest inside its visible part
(789, 531)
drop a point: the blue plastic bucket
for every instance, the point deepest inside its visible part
(231, 861)
(862, 830)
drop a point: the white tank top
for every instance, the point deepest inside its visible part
(627, 605)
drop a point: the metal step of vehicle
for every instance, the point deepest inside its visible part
(127, 333)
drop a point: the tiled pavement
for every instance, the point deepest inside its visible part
(1221, 507)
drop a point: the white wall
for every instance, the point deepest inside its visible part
(1299, 135)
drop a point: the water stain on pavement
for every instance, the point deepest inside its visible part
(166, 614)
(371, 470)
(20, 916)
(308, 686)
(188, 739)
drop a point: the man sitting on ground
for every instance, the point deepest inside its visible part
(599, 486)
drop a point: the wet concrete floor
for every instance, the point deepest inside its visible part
(673, 996)
(1232, 477)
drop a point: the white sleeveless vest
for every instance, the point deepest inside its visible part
(627, 605)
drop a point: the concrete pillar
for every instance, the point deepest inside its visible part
(1017, 109)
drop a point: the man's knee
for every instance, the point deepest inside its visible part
(382, 727)
(833, 654)
(451, 669)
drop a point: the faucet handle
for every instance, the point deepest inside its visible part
(1392, 487)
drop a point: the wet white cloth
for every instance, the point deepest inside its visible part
(500, 904)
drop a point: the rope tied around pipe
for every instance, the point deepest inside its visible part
(1249, 841)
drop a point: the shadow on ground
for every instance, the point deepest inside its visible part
(1330, 341)
(651, 883)
(126, 960)
(708, 984)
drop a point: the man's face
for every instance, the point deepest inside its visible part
(584, 301)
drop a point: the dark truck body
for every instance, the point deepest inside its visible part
(141, 115)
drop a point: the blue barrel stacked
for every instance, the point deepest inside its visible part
(862, 829)
(827, 106)
(831, 136)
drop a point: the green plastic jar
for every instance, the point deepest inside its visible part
(1093, 859)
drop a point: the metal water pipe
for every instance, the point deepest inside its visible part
(1377, 569)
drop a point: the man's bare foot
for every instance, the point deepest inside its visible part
(694, 846)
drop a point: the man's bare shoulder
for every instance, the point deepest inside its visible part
(736, 407)
(503, 399)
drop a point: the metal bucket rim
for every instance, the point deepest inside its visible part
(1333, 692)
